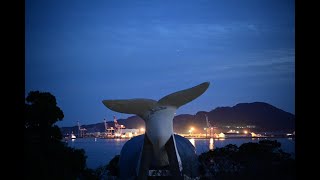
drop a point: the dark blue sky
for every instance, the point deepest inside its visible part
(86, 51)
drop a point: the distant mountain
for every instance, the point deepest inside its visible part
(133, 122)
(259, 116)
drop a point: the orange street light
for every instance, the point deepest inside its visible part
(142, 130)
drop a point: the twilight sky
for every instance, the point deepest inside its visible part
(85, 51)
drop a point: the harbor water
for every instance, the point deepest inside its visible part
(100, 151)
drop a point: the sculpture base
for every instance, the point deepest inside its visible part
(165, 174)
(159, 173)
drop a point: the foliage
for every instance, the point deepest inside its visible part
(263, 160)
(42, 110)
(112, 167)
(46, 156)
(109, 171)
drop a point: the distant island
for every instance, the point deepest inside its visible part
(256, 116)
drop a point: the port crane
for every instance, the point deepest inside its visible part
(209, 128)
(109, 131)
(81, 131)
(105, 124)
(118, 127)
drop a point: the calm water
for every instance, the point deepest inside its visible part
(101, 151)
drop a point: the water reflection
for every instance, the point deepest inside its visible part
(211, 144)
(220, 139)
(103, 150)
(255, 139)
(199, 142)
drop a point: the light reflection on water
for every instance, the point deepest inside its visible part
(101, 151)
(211, 144)
(203, 145)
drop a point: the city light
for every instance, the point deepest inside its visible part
(245, 131)
(221, 135)
(142, 130)
(191, 130)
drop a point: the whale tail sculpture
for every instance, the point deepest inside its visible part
(139, 106)
(159, 147)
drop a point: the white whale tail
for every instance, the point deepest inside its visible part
(130, 106)
(182, 97)
(140, 106)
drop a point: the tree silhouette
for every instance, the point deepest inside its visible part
(46, 156)
(263, 160)
(41, 114)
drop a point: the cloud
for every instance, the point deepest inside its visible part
(274, 64)
(158, 31)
